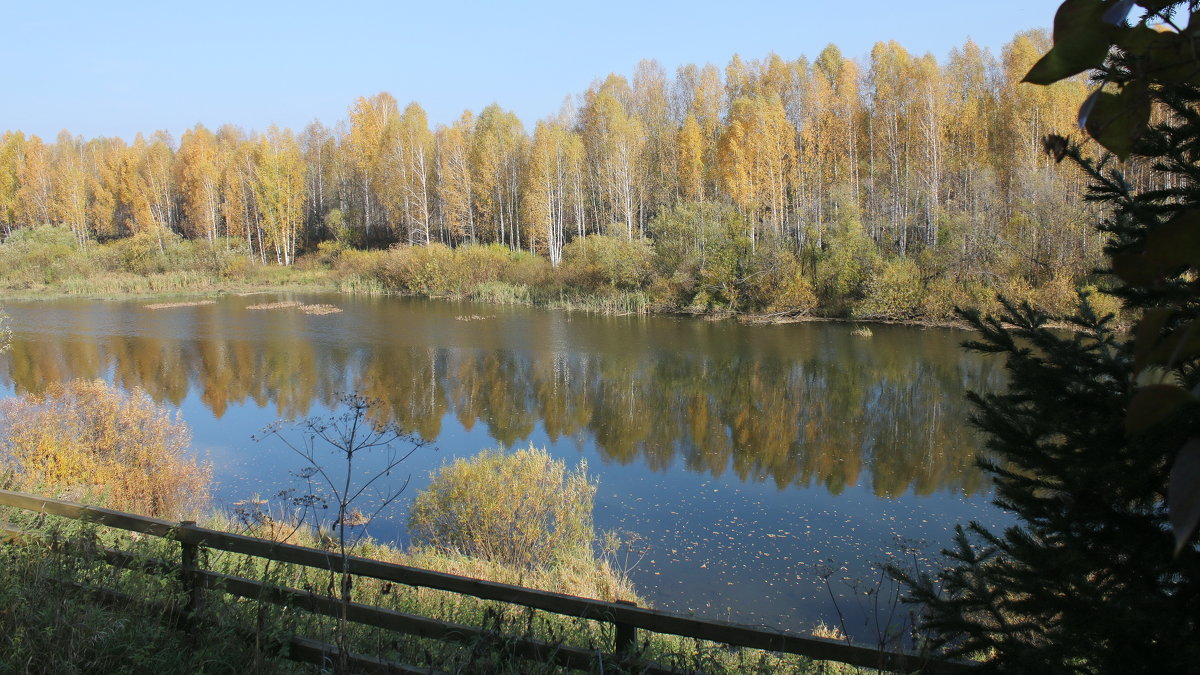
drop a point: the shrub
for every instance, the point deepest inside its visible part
(89, 438)
(223, 258)
(524, 509)
(1057, 297)
(943, 294)
(685, 232)
(894, 293)
(421, 270)
(481, 263)
(527, 269)
(776, 282)
(355, 263)
(1015, 288)
(40, 255)
(138, 253)
(845, 266)
(598, 261)
(328, 252)
(1101, 302)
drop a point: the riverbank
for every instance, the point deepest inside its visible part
(325, 279)
(53, 624)
(126, 287)
(51, 619)
(597, 274)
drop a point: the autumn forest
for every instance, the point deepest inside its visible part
(891, 188)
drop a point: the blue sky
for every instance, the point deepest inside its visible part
(116, 68)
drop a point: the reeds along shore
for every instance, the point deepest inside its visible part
(597, 273)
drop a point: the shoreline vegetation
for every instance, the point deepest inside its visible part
(599, 273)
(76, 441)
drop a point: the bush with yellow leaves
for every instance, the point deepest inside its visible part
(524, 509)
(89, 440)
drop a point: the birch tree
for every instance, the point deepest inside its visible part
(199, 183)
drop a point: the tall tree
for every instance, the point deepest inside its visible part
(69, 191)
(929, 114)
(105, 208)
(614, 137)
(456, 185)
(554, 164)
(319, 147)
(12, 159)
(372, 129)
(497, 149)
(199, 183)
(279, 191)
(891, 95)
(653, 108)
(756, 153)
(416, 160)
(35, 192)
(690, 152)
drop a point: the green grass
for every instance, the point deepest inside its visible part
(45, 626)
(501, 293)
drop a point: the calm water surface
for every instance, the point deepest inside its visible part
(753, 459)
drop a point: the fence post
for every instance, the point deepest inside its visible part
(187, 575)
(626, 639)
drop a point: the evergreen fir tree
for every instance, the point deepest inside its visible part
(1083, 443)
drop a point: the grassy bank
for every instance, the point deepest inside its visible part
(521, 518)
(48, 625)
(48, 262)
(597, 273)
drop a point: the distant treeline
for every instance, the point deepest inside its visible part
(829, 176)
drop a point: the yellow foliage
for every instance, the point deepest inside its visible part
(946, 293)
(1102, 303)
(777, 284)
(93, 440)
(895, 293)
(524, 509)
(1057, 297)
(1016, 290)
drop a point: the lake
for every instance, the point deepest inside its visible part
(769, 469)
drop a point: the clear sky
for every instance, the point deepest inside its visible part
(116, 68)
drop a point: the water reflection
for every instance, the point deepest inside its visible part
(797, 405)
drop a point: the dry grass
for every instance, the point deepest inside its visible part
(314, 309)
(584, 575)
(172, 305)
(283, 304)
(320, 309)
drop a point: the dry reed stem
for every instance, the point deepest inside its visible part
(320, 309)
(171, 305)
(283, 304)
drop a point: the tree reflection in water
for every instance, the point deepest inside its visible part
(797, 405)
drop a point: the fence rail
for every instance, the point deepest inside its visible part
(626, 617)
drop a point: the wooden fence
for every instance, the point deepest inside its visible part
(626, 617)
